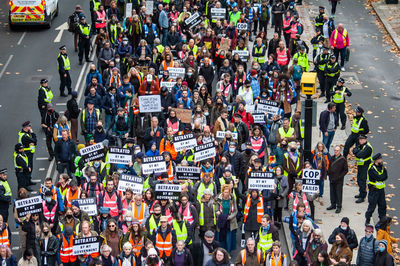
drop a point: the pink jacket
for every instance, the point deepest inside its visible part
(339, 40)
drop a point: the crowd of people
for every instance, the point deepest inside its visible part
(196, 56)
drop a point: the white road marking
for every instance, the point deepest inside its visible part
(6, 65)
(61, 103)
(42, 169)
(61, 30)
(36, 180)
(41, 158)
(50, 169)
(22, 37)
(34, 192)
(15, 248)
(14, 233)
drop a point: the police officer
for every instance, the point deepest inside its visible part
(45, 96)
(84, 39)
(63, 69)
(22, 169)
(332, 73)
(320, 63)
(319, 20)
(363, 152)
(376, 176)
(28, 139)
(339, 93)
(5, 194)
(359, 127)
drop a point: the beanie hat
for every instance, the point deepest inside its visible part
(345, 220)
(383, 241)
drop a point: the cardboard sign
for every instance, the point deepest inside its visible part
(311, 179)
(218, 13)
(175, 72)
(250, 108)
(244, 55)
(154, 164)
(184, 115)
(193, 21)
(86, 245)
(135, 183)
(259, 118)
(150, 103)
(266, 106)
(88, 205)
(119, 155)
(168, 85)
(188, 172)
(167, 191)
(43, 190)
(128, 10)
(204, 152)
(241, 26)
(261, 180)
(182, 142)
(92, 152)
(149, 7)
(29, 205)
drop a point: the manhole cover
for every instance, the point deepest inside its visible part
(37, 78)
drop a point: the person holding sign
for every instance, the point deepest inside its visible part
(167, 143)
(297, 195)
(87, 232)
(164, 238)
(149, 86)
(31, 225)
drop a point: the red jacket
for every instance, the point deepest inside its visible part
(154, 88)
(247, 118)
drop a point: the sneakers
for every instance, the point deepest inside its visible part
(342, 69)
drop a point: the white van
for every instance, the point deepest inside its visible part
(32, 12)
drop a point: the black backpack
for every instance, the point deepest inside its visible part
(73, 21)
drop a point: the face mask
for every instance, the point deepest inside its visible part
(381, 249)
(92, 70)
(219, 103)
(199, 112)
(320, 46)
(125, 43)
(48, 199)
(96, 164)
(129, 219)
(206, 113)
(99, 128)
(120, 171)
(338, 242)
(317, 240)
(137, 151)
(293, 149)
(46, 233)
(298, 146)
(204, 51)
(248, 151)
(231, 149)
(344, 228)
(228, 139)
(189, 74)
(69, 216)
(380, 164)
(368, 236)
(117, 60)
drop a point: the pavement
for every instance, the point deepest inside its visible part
(389, 15)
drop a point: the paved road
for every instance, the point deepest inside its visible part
(378, 93)
(27, 55)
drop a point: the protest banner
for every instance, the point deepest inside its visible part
(119, 155)
(188, 172)
(128, 10)
(29, 205)
(88, 205)
(187, 141)
(154, 164)
(218, 13)
(193, 21)
(175, 72)
(259, 118)
(244, 55)
(184, 115)
(149, 7)
(203, 152)
(261, 180)
(167, 191)
(267, 106)
(311, 179)
(86, 245)
(150, 103)
(221, 135)
(92, 152)
(241, 26)
(168, 84)
(135, 183)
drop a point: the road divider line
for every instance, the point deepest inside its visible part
(42, 169)
(6, 65)
(50, 169)
(22, 37)
(41, 158)
(61, 103)
(36, 180)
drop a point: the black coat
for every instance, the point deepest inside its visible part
(73, 108)
(207, 73)
(31, 241)
(349, 234)
(236, 161)
(383, 259)
(188, 257)
(324, 120)
(51, 252)
(71, 148)
(198, 252)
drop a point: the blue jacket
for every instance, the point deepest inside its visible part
(122, 91)
(255, 85)
(163, 20)
(123, 50)
(97, 101)
(188, 104)
(146, 30)
(139, 50)
(150, 153)
(91, 75)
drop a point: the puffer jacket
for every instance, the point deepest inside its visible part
(366, 251)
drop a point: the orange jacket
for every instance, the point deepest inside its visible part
(154, 88)
(165, 145)
(385, 234)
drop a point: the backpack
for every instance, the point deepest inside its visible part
(297, 72)
(300, 28)
(73, 21)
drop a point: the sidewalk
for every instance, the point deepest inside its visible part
(389, 15)
(329, 220)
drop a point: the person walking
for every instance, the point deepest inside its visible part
(328, 123)
(63, 69)
(339, 94)
(5, 194)
(65, 152)
(359, 127)
(336, 172)
(250, 255)
(44, 97)
(363, 153)
(376, 177)
(48, 121)
(73, 115)
(84, 40)
(339, 43)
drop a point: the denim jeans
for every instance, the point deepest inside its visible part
(327, 140)
(321, 187)
(229, 243)
(164, 36)
(108, 121)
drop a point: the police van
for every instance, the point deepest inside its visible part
(32, 12)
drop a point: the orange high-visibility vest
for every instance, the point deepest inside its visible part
(260, 208)
(138, 246)
(69, 196)
(54, 191)
(139, 215)
(165, 66)
(243, 256)
(66, 249)
(164, 246)
(4, 237)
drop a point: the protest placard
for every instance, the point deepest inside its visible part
(175, 72)
(244, 55)
(119, 155)
(203, 152)
(28, 205)
(150, 103)
(88, 205)
(188, 172)
(92, 152)
(241, 26)
(168, 84)
(135, 183)
(311, 179)
(187, 141)
(267, 106)
(86, 245)
(261, 180)
(193, 21)
(167, 191)
(149, 7)
(154, 164)
(259, 118)
(128, 10)
(218, 13)
(184, 115)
